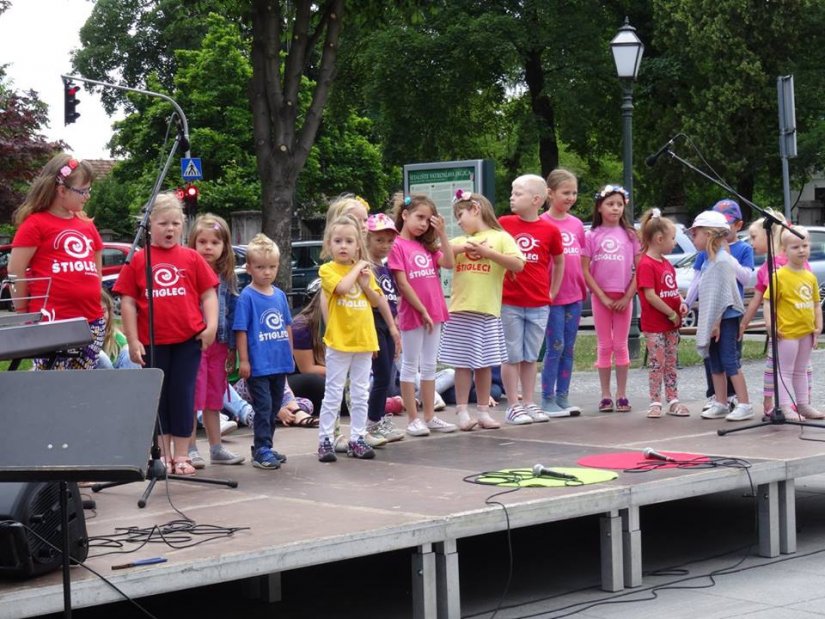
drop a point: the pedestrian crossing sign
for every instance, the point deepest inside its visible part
(190, 169)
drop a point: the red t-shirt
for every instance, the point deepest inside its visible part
(66, 259)
(538, 241)
(661, 277)
(180, 277)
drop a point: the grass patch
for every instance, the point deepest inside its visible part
(584, 355)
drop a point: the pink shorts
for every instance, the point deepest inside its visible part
(211, 384)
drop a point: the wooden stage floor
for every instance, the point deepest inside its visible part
(412, 496)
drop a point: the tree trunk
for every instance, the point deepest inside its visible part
(543, 110)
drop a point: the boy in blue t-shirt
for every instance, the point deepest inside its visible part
(263, 334)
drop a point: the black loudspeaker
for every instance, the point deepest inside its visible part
(36, 505)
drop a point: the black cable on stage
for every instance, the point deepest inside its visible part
(699, 462)
(176, 534)
(81, 564)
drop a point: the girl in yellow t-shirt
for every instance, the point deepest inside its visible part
(473, 339)
(798, 325)
(351, 292)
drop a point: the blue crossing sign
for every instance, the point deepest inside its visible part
(191, 169)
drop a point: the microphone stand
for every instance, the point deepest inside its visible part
(156, 470)
(776, 417)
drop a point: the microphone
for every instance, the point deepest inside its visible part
(542, 471)
(652, 159)
(652, 454)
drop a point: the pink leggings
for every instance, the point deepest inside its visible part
(794, 356)
(612, 328)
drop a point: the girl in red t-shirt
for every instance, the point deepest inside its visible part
(662, 308)
(56, 255)
(185, 321)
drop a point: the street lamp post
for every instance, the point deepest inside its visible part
(627, 51)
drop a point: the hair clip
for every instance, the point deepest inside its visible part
(608, 189)
(462, 194)
(654, 212)
(66, 170)
(407, 200)
(363, 202)
(216, 227)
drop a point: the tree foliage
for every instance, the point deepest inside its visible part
(23, 149)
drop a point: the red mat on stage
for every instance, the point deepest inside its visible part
(632, 459)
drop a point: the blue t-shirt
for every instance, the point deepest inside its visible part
(742, 253)
(265, 319)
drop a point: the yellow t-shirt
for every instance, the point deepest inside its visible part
(797, 293)
(350, 325)
(477, 284)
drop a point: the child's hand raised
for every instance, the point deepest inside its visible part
(476, 250)
(438, 223)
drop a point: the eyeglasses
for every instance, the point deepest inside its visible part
(83, 193)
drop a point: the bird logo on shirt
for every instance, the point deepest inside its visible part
(610, 246)
(805, 292)
(526, 242)
(422, 261)
(669, 281)
(272, 319)
(73, 243)
(166, 275)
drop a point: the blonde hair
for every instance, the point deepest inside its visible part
(776, 241)
(342, 221)
(717, 237)
(787, 235)
(559, 176)
(166, 201)
(653, 223)
(344, 204)
(109, 346)
(261, 246)
(533, 183)
(401, 203)
(488, 215)
(225, 264)
(43, 190)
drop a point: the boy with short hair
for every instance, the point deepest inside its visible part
(263, 334)
(528, 295)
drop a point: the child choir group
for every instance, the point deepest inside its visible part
(519, 282)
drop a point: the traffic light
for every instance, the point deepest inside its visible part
(190, 199)
(70, 101)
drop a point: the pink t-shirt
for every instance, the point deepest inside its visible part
(573, 288)
(612, 251)
(421, 268)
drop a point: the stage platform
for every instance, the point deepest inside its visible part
(412, 497)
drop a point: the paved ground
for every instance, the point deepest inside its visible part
(709, 570)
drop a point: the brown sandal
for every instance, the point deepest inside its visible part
(183, 466)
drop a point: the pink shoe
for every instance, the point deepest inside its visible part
(487, 422)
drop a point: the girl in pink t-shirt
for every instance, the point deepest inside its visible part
(421, 248)
(611, 251)
(566, 308)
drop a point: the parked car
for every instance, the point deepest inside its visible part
(306, 259)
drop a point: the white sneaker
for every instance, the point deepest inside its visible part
(741, 413)
(227, 426)
(439, 425)
(536, 414)
(710, 402)
(375, 440)
(439, 403)
(717, 411)
(417, 428)
(517, 416)
(733, 402)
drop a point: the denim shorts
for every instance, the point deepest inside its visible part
(724, 352)
(524, 331)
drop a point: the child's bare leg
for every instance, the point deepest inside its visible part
(428, 398)
(527, 372)
(739, 387)
(212, 424)
(604, 381)
(621, 381)
(720, 387)
(408, 397)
